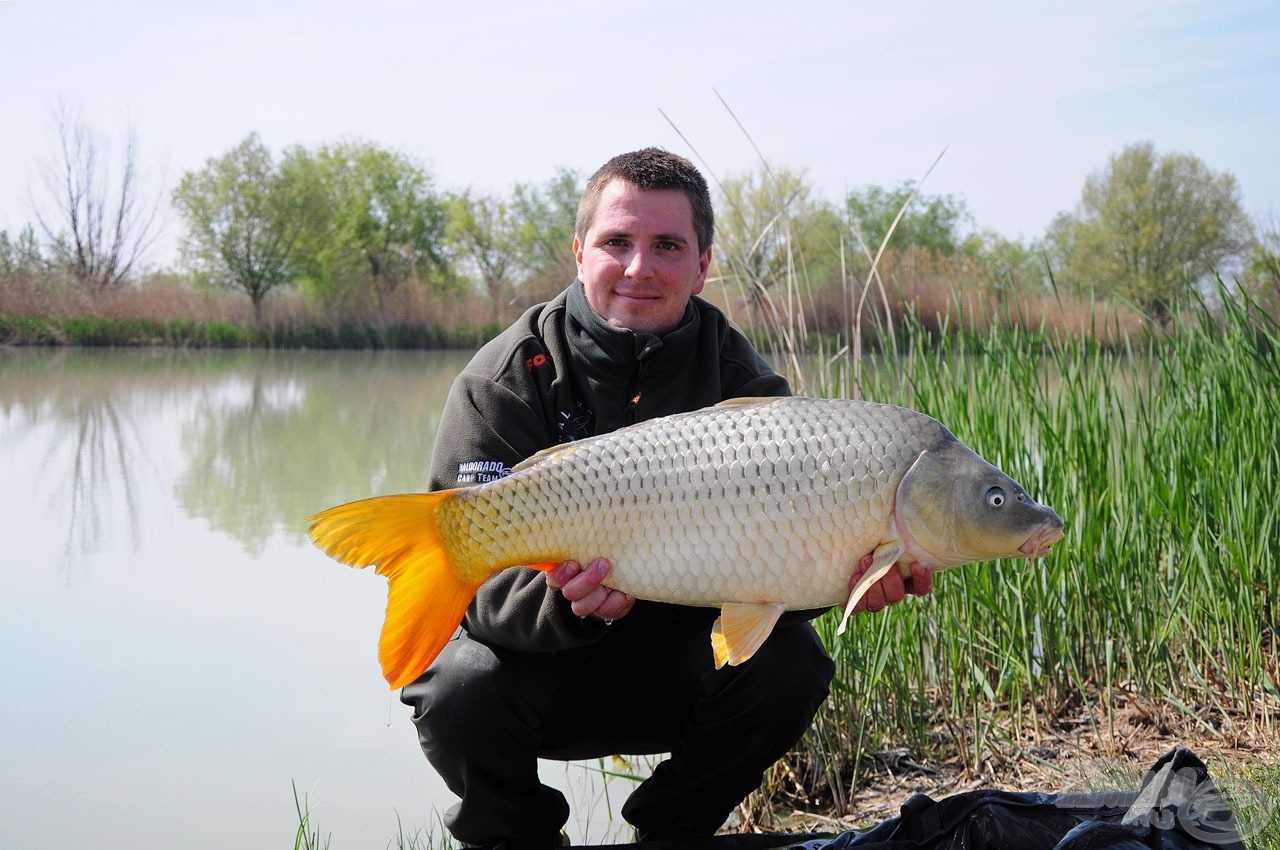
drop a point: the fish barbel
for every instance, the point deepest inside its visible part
(754, 506)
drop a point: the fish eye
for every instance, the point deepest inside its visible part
(995, 497)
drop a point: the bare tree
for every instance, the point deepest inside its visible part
(97, 224)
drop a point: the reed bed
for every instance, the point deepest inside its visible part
(1162, 457)
(168, 311)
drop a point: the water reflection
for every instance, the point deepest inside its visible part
(93, 456)
(175, 653)
(263, 439)
(267, 448)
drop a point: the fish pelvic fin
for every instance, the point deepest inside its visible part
(741, 629)
(426, 594)
(886, 555)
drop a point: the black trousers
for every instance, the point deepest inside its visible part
(486, 714)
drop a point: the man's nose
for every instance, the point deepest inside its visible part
(640, 264)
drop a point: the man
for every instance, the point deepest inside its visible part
(559, 665)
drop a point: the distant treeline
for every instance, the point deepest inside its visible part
(359, 237)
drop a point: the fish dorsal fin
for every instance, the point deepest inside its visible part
(741, 628)
(748, 401)
(544, 454)
(886, 555)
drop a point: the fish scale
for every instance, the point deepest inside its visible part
(754, 506)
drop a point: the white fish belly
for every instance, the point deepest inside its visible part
(775, 502)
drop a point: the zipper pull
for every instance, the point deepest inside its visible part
(630, 416)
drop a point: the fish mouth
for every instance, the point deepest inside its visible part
(1041, 543)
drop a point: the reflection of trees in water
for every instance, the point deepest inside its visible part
(299, 436)
(92, 472)
(106, 444)
(268, 438)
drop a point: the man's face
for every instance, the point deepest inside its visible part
(639, 260)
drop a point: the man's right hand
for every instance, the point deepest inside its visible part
(892, 588)
(585, 590)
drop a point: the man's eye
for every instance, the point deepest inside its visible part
(668, 246)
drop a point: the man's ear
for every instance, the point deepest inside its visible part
(704, 263)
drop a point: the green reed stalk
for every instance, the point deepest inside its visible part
(1163, 460)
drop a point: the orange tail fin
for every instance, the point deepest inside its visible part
(426, 598)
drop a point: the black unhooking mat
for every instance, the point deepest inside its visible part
(1178, 807)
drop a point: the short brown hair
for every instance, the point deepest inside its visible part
(651, 169)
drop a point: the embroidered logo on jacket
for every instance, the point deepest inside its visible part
(481, 471)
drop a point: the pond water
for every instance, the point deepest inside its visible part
(175, 654)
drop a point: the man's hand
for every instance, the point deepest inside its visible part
(583, 589)
(891, 589)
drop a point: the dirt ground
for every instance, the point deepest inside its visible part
(1078, 751)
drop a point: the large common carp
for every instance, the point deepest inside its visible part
(754, 506)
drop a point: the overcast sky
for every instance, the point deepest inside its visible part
(1026, 98)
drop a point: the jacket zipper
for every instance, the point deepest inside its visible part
(635, 391)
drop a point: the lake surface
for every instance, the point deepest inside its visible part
(174, 653)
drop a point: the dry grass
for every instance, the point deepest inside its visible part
(959, 291)
(940, 293)
(161, 297)
(166, 297)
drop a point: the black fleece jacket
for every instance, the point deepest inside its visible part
(561, 373)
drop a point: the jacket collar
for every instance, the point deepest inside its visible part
(602, 342)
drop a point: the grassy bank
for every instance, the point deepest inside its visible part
(118, 332)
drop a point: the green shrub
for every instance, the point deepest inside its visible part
(226, 335)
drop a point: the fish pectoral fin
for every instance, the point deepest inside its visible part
(886, 555)
(741, 628)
